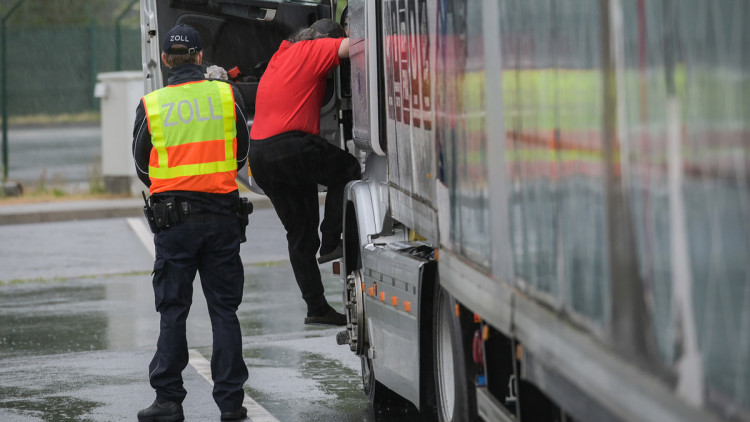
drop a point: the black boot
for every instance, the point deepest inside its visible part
(238, 414)
(162, 411)
(330, 253)
(331, 317)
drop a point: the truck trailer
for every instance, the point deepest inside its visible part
(555, 202)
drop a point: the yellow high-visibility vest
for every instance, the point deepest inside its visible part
(194, 137)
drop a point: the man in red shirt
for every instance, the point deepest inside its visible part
(289, 159)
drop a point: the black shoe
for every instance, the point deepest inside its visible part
(237, 415)
(330, 318)
(331, 255)
(162, 411)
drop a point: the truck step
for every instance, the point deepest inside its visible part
(342, 337)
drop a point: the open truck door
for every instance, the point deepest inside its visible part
(240, 36)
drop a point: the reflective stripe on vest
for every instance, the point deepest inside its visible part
(181, 115)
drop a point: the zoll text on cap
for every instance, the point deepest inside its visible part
(182, 39)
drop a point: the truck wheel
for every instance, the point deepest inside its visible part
(452, 389)
(354, 298)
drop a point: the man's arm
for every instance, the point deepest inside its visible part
(141, 144)
(344, 49)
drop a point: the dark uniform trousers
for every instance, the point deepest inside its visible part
(208, 244)
(289, 167)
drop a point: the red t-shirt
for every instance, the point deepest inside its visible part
(291, 91)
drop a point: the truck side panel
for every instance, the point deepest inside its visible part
(407, 69)
(584, 174)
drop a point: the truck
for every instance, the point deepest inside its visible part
(553, 222)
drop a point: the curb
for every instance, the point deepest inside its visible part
(48, 212)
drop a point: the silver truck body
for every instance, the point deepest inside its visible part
(580, 171)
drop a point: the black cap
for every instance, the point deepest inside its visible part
(329, 28)
(182, 35)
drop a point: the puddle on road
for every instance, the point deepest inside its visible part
(69, 316)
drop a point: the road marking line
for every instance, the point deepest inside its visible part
(255, 411)
(143, 233)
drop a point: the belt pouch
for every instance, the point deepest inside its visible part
(149, 213)
(174, 212)
(161, 216)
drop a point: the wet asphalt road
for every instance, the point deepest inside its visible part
(78, 326)
(78, 329)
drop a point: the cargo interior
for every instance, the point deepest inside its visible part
(241, 33)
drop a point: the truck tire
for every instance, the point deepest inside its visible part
(454, 391)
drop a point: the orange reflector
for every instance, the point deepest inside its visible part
(375, 286)
(436, 254)
(486, 332)
(363, 287)
(458, 311)
(477, 319)
(519, 352)
(394, 300)
(382, 296)
(407, 306)
(370, 291)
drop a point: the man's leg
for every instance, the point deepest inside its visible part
(285, 170)
(222, 278)
(299, 213)
(335, 170)
(174, 272)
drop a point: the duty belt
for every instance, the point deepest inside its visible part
(167, 212)
(170, 211)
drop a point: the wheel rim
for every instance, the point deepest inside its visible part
(445, 370)
(355, 311)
